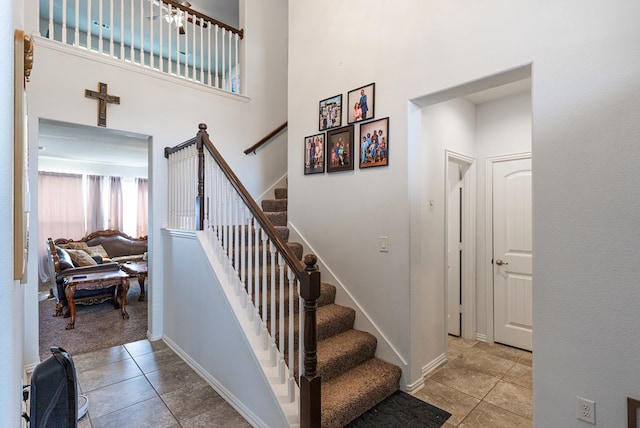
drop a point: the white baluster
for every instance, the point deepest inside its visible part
(238, 86)
(169, 42)
(292, 377)
(281, 365)
(51, 20)
(193, 47)
(215, 56)
(76, 23)
(141, 33)
(209, 53)
(230, 62)
(257, 278)
(89, 39)
(243, 253)
(273, 356)
(100, 23)
(122, 24)
(223, 69)
(151, 40)
(201, 31)
(132, 48)
(64, 21)
(111, 27)
(265, 285)
(300, 334)
(161, 40)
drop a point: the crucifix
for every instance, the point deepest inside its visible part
(103, 99)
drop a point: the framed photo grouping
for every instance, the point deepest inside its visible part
(314, 154)
(361, 103)
(340, 149)
(374, 143)
(330, 113)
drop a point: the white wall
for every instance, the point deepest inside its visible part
(169, 111)
(11, 292)
(201, 326)
(585, 94)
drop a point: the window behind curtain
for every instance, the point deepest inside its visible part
(60, 212)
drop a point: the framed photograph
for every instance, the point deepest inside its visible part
(374, 143)
(361, 103)
(314, 154)
(340, 149)
(331, 113)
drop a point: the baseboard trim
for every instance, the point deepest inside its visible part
(434, 364)
(481, 337)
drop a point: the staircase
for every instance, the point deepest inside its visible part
(353, 379)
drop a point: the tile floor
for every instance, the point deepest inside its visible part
(482, 385)
(145, 384)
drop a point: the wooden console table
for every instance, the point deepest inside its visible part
(100, 287)
(138, 269)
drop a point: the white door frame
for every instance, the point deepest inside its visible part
(468, 292)
(489, 234)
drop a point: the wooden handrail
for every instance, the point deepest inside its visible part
(204, 17)
(267, 137)
(267, 226)
(306, 272)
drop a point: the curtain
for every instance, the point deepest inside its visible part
(94, 206)
(115, 204)
(143, 203)
(60, 213)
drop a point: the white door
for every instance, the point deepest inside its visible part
(454, 239)
(512, 252)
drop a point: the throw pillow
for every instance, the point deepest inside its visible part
(64, 258)
(81, 258)
(78, 245)
(99, 250)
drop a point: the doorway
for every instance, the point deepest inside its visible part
(460, 241)
(79, 152)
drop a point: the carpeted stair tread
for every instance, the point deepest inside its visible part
(281, 192)
(327, 297)
(342, 352)
(283, 231)
(349, 395)
(274, 205)
(277, 218)
(331, 319)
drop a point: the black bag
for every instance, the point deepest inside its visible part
(54, 392)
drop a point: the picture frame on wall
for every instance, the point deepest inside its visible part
(361, 103)
(330, 114)
(339, 148)
(374, 143)
(314, 154)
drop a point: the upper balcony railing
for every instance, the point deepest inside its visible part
(160, 35)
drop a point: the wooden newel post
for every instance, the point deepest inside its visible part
(200, 196)
(310, 391)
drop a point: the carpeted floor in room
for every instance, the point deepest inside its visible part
(97, 326)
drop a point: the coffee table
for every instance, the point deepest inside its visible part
(138, 269)
(100, 286)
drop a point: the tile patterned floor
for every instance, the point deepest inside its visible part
(482, 385)
(145, 384)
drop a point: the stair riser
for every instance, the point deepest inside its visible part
(274, 205)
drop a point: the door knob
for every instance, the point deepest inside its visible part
(500, 262)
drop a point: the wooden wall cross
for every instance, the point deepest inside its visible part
(103, 99)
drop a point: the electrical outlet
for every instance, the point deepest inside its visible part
(586, 410)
